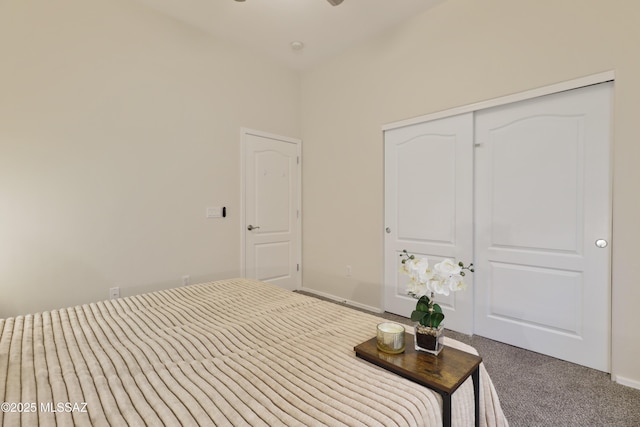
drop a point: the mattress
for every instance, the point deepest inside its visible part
(227, 353)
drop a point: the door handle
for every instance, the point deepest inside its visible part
(601, 243)
(251, 227)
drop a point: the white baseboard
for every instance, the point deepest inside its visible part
(344, 301)
(627, 382)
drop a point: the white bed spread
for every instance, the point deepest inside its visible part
(232, 352)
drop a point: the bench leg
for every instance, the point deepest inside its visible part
(446, 409)
(475, 377)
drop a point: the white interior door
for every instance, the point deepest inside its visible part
(428, 208)
(271, 226)
(542, 204)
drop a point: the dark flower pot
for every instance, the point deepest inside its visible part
(429, 339)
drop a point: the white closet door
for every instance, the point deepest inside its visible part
(428, 208)
(542, 211)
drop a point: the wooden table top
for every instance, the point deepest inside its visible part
(444, 372)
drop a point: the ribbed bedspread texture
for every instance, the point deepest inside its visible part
(227, 353)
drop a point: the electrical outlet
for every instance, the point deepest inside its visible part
(114, 293)
(186, 280)
(348, 271)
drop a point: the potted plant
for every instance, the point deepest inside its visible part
(424, 282)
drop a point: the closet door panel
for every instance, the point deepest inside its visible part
(428, 208)
(543, 199)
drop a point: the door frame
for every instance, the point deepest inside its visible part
(244, 132)
(606, 76)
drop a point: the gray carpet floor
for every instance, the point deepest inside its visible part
(538, 390)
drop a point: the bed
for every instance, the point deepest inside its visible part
(229, 353)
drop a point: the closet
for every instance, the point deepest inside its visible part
(522, 190)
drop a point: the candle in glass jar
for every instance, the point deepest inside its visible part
(390, 337)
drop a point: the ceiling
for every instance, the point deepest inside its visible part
(270, 26)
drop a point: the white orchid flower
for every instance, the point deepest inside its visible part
(423, 271)
(417, 289)
(447, 268)
(410, 268)
(455, 283)
(404, 268)
(438, 286)
(443, 278)
(449, 273)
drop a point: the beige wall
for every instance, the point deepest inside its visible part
(461, 52)
(118, 127)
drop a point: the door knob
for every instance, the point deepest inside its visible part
(388, 230)
(251, 227)
(601, 243)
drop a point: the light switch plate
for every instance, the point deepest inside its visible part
(214, 212)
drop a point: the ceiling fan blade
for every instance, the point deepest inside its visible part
(335, 2)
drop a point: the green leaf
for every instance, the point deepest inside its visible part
(417, 316)
(432, 320)
(437, 308)
(424, 299)
(421, 306)
(436, 319)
